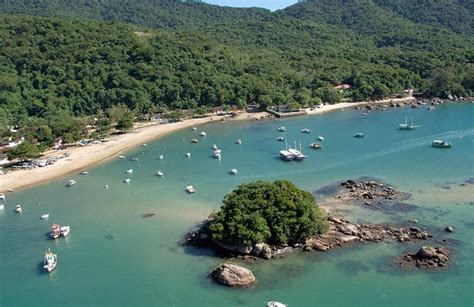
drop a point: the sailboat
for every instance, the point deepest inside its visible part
(406, 126)
(297, 154)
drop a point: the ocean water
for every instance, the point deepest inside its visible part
(115, 257)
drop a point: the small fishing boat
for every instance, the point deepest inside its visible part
(238, 141)
(233, 171)
(280, 139)
(45, 216)
(10, 190)
(2, 196)
(50, 261)
(65, 230)
(306, 130)
(134, 159)
(217, 155)
(55, 231)
(194, 141)
(130, 171)
(214, 146)
(2, 206)
(441, 144)
(282, 129)
(71, 182)
(190, 189)
(359, 135)
(194, 128)
(203, 133)
(144, 145)
(122, 157)
(275, 304)
(161, 157)
(106, 186)
(315, 146)
(127, 180)
(320, 138)
(188, 154)
(18, 209)
(159, 174)
(84, 173)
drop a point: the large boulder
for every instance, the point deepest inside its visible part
(234, 276)
(426, 252)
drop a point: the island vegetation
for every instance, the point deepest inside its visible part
(91, 66)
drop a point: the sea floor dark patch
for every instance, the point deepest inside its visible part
(352, 267)
(109, 236)
(146, 215)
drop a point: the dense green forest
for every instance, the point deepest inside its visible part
(118, 59)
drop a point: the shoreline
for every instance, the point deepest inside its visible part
(84, 157)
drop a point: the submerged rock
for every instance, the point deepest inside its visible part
(234, 276)
(427, 257)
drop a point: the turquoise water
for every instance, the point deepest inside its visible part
(114, 256)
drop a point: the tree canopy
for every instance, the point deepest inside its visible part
(265, 212)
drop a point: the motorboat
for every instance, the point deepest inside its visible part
(45, 216)
(135, 159)
(71, 182)
(10, 190)
(406, 126)
(214, 146)
(65, 230)
(286, 155)
(194, 128)
(84, 173)
(315, 146)
(359, 135)
(130, 171)
(217, 154)
(233, 171)
(159, 174)
(2, 196)
(2, 206)
(55, 231)
(194, 141)
(127, 180)
(18, 209)
(306, 130)
(282, 129)
(441, 144)
(188, 154)
(280, 139)
(320, 138)
(190, 189)
(238, 141)
(161, 157)
(122, 157)
(106, 186)
(203, 133)
(144, 145)
(275, 304)
(50, 261)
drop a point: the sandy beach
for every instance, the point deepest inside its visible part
(83, 157)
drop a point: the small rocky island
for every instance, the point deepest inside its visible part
(265, 220)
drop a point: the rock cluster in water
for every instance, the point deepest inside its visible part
(427, 257)
(357, 190)
(234, 276)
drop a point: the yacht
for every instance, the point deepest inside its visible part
(315, 146)
(359, 135)
(190, 189)
(65, 230)
(441, 144)
(320, 138)
(127, 180)
(239, 141)
(275, 304)
(297, 154)
(45, 216)
(406, 126)
(306, 130)
(50, 261)
(71, 182)
(203, 133)
(55, 231)
(234, 171)
(18, 209)
(286, 155)
(282, 129)
(130, 171)
(159, 174)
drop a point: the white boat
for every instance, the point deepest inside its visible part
(161, 157)
(315, 146)
(188, 154)
(194, 141)
(190, 189)
(134, 159)
(2, 206)
(234, 171)
(297, 154)
(238, 141)
(65, 230)
(275, 304)
(159, 174)
(306, 130)
(217, 155)
(10, 190)
(127, 180)
(71, 182)
(18, 209)
(359, 135)
(280, 139)
(2, 196)
(50, 261)
(144, 145)
(282, 129)
(194, 128)
(45, 216)
(286, 155)
(106, 186)
(214, 147)
(55, 231)
(320, 138)
(202, 133)
(130, 171)
(122, 157)
(441, 144)
(406, 126)
(84, 173)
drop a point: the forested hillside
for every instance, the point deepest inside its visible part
(173, 55)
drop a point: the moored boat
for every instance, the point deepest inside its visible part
(233, 171)
(2, 196)
(144, 145)
(2, 206)
(50, 261)
(320, 138)
(306, 130)
(130, 171)
(282, 129)
(18, 209)
(190, 189)
(122, 157)
(45, 216)
(161, 157)
(203, 133)
(280, 139)
(85, 173)
(286, 155)
(159, 174)
(406, 126)
(194, 141)
(65, 230)
(188, 154)
(238, 141)
(441, 144)
(55, 231)
(214, 146)
(71, 182)
(127, 180)
(315, 146)
(275, 304)
(134, 159)
(359, 135)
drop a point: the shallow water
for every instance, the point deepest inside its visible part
(114, 256)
